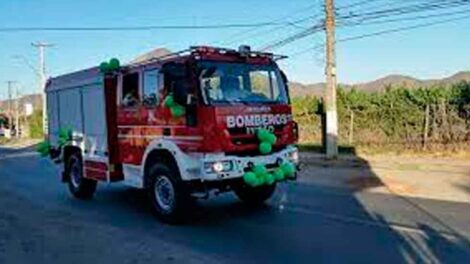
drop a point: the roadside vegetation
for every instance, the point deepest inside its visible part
(35, 124)
(32, 132)
(398, 119)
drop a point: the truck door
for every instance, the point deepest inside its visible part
(140, 115)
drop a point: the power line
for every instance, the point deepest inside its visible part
(142, 28)
(294, 37)
(361, 23)
(375, 2)
(426, 7)
(256, 31)
(392, 11)
(356, 4)
(383, 32)
(399, 29)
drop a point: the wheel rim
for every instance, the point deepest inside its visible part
(75, 174)
(165, 193)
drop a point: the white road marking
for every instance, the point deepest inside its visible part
(24, 154)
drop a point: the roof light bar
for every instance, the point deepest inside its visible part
(243, 50)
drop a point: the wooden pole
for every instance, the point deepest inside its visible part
(330, 93)
(426, 126)
(351, 126)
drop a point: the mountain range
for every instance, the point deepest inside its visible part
(395, 80)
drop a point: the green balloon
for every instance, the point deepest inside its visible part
(104, 67)
(177, 110)
(262, 134)
(265, 148)
(288, 169)
(114, 64)
(259, 170)
(169, 101)
(278, 174)
(43, 148)
(271, 138)
(261, 179)
(269, 178)
(258, 182)
(250, 178)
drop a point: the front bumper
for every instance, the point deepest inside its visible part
(240, 164)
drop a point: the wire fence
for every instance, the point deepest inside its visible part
(437, 116)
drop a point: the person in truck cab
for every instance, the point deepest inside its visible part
(214, 94)
(130, 99)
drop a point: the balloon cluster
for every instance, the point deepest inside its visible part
(259, 175)
(43, 148)
(267, 140)
(65, 135)
(175, 109)
(112, 65)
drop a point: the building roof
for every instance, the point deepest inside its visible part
(156, 53)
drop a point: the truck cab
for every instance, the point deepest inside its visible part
(182, 125)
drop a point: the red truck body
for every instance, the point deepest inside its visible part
(120, 141)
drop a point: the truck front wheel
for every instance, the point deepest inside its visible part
(255, 195)
(167, 194)
(79, 186)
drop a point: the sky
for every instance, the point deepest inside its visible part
(431, 52)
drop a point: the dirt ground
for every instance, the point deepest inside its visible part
(16, 143)
(415, 176)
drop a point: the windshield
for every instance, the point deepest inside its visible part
(241, 83)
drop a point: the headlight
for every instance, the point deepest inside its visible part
(218, 166)
(294, 156)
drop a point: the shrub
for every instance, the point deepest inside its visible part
(35, 124)
(398, 115)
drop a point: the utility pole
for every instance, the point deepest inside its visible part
(10, 111)
(330, 93)
(17, 113)
(42, 80)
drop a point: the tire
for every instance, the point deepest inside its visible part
(255, 196)
(80, 187)
(168, 195)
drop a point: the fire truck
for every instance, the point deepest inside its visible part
(181, 126)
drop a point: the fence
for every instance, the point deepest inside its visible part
(398, 116)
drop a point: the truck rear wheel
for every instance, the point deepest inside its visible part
(255, 196)
(167, 193)
(79, 186)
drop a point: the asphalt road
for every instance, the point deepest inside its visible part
(303, 223)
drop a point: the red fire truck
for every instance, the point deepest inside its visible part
(179, 126)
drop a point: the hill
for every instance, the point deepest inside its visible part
(316, 89)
